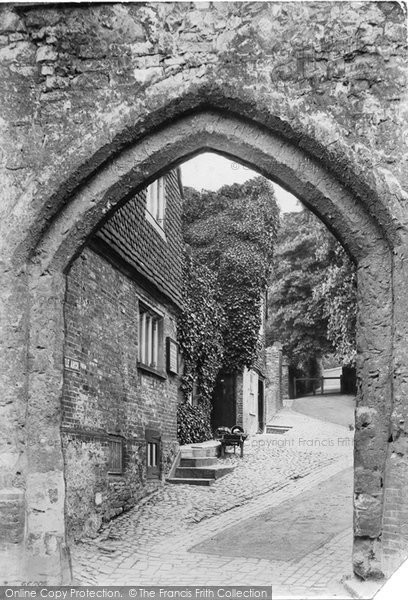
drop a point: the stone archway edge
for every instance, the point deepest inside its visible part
(231, 136)
(95, 201)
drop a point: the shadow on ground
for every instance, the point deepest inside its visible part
(293, 529)
(337, 408)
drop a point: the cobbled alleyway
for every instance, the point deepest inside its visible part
(188, 535)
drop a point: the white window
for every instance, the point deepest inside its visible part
(152, 454)
(156, 201)
(252, 383)
(153, 447)
(150, 338)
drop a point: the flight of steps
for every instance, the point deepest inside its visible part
(199, 465)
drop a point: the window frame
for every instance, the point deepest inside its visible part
(151, 340)
(153, 439)
(251, 395)
(116, 440)
(156, 205)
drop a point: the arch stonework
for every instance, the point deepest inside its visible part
(60, 186)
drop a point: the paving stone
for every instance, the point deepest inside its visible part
(153, 541)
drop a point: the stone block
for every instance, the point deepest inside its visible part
(366, 417)
(148, 75)
(10, 21)
(367, 558)
(367, 480)
(46, 54)
(47, 70)
(367, 515)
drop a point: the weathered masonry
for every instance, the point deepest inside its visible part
(119, 395)
(98, 102)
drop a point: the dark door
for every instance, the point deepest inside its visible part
(224, 414)
(261, 410)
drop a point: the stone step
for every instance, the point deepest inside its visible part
(202, 472)
(201, 451)
(190, 481)
(206, 461)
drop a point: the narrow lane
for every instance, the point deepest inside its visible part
(336, 408)
(295, 487)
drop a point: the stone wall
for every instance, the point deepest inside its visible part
(98, 100)
(105, 394)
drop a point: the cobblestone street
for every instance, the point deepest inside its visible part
(171, 537)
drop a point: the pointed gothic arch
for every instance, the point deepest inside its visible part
(358, 219)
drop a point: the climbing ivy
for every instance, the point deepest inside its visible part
(232, 232)
(200, 326)
(193, 423)
(242, 280)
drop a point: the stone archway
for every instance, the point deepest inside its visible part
(360, 229)
(99, 99)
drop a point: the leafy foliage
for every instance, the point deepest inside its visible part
(297, 318)
(312, 294)
(230, 234)
(193, 423)
(232, 231)
(338, 292)
(200, 328)
(242, 279)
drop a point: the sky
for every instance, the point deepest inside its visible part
(211, 171)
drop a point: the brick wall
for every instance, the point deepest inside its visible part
(105, 393)
(285, 384)
(395, 522)
(12, 515)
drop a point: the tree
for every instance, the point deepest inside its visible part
(338, 292)
(312, 294)
(232, 232)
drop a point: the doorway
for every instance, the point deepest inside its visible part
(261, 407)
